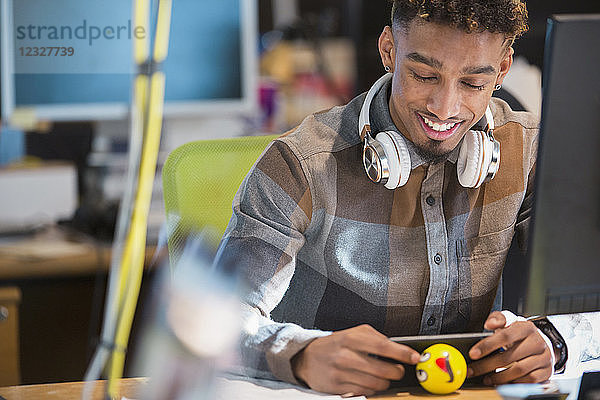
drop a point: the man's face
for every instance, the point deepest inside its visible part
(443, 80)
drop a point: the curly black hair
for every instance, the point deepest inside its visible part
(508, 17)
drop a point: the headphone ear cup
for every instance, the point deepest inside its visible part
(468, 166)
(398, 158)
(488, 150)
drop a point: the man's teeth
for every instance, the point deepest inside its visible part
(438, 127)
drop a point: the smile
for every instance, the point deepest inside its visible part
(438, 127)
(437, 131)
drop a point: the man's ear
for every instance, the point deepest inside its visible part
(505, 65)
(387, 48)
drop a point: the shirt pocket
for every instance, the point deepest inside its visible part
(480, 263)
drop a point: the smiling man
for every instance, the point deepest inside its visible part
(381, 218)
(443, 79)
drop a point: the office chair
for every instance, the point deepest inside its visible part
(200, 180)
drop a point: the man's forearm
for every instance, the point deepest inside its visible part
(268, 347)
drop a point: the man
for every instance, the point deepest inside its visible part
(341, 262)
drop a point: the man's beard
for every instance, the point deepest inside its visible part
(434, 153)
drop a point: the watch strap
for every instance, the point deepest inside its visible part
(558, 343)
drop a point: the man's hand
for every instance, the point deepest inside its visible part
(527, 358)
(340, 363)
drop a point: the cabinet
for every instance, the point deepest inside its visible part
(10, 373)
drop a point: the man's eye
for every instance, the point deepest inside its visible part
(423, 78)
(476, 87)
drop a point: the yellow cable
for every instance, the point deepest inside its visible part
(141, 17)
(163, 24)
(141, 95)
(140, 99)
(150, 116)
(136, 242)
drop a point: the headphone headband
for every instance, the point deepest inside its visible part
(364, 125)
(489, 119)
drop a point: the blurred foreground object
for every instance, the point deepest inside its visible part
(194, 328)
(129, 245)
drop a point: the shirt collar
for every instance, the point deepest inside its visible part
(381, 120)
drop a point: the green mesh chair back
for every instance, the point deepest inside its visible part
(200, 180)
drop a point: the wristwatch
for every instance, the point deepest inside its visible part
(558, 343)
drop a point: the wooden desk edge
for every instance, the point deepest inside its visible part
(131, 388)
(128, 387)
(97, 259)
(468, 393)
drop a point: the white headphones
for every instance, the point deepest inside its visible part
(386, 158)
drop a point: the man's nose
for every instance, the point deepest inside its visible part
(444, 102)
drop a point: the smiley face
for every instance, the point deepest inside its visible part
(442, 369)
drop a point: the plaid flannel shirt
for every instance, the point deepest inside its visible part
(323, 248)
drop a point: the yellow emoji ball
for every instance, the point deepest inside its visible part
(442, 369)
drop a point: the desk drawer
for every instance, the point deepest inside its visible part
(10, 297)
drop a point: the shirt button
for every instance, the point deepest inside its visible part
(437, 258)
(430, 200)
(431, 321)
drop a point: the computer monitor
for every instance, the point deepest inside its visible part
(72, 59)
(564, 248)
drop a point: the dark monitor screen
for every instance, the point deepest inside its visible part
(564, 250)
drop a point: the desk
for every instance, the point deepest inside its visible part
(226, 389)
(54, 253)
(70, 390)
(63, 283)
(463, 394)
(259, 389)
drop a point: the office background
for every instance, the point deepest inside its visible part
(310, 54)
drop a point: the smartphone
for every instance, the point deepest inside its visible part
(461, 341)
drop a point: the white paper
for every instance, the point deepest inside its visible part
(242, 388)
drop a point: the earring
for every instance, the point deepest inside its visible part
(497, 87)
(387, 68)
